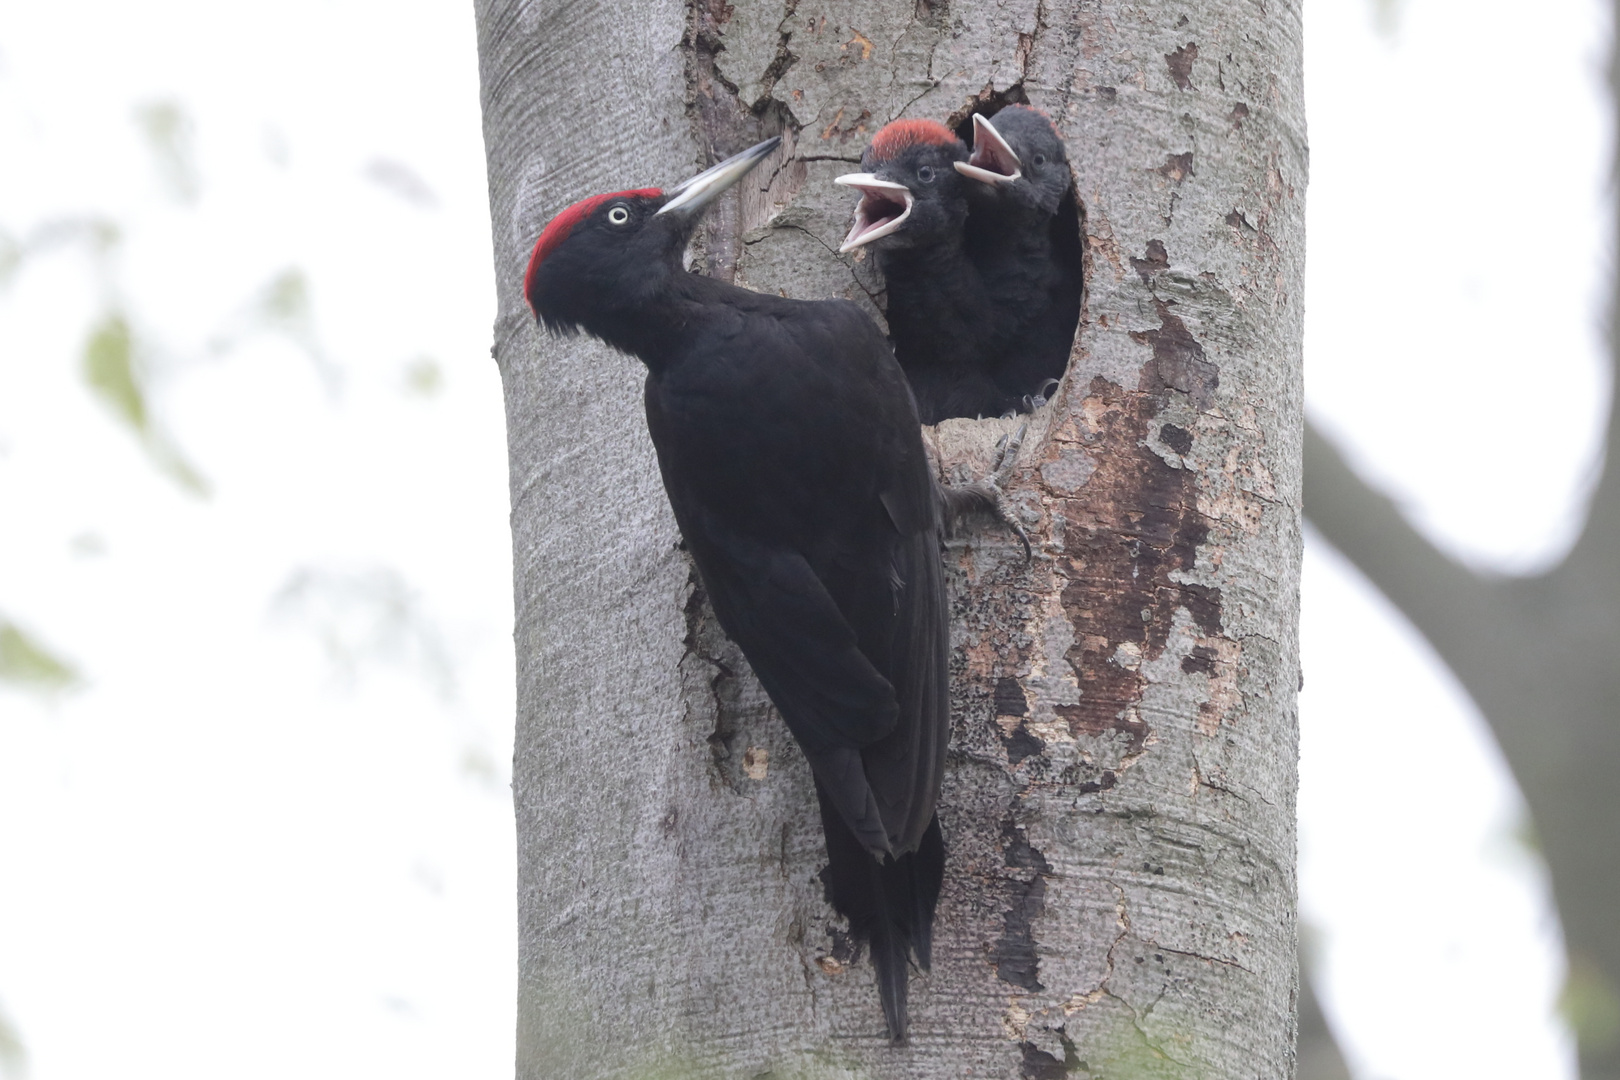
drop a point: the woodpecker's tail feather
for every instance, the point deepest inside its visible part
(889, 904)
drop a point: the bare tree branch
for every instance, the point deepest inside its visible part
(1539, 656)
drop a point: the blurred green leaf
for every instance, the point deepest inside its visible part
(110, 369)
(1590, 1004)
(29, 665)
(285, 302)
(113, 370)
(285, 306)
(424, 377)
(169, 135)
(13, 1054)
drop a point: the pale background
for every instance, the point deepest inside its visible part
(265, 830)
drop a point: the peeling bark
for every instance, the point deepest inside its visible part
(1118, 806)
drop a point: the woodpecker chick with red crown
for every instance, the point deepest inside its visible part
(914, 213)
(1024, 236)
(792, 457)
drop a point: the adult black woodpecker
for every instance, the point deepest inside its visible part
(1023, 235)
(914, 213)
(792, 457)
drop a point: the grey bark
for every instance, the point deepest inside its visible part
(1119, 805)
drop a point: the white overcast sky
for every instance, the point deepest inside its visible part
(270, 834)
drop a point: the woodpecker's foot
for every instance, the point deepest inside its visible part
(1009, 445)
(987, 497)
(1038, 398)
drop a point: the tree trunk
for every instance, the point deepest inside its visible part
(1119, 801)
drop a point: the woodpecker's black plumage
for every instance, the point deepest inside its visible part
(1023, 236)
(914, 212)
(791, 453)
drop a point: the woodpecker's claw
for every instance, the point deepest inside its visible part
(986, 496)
(1009, 445)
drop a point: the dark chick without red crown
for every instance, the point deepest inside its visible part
(792, 457)
(1023, 236)
(913, 212)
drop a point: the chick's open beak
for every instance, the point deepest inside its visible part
(884, 207)
(992, 161)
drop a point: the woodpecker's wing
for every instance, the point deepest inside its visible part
(801, 646)
(909, 635)
(906, 768)
(794, 463)
(806, 656)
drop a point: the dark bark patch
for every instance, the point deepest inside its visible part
(1178, 359)
(1020, 853)
(1240, 113)
(1137, 528)
(1021, 744)
(1009, 698)
(1177, 167)
(1200, 661)
(1180, 64)
(1204, 605)
(1176, 438)
(1107, 780)
(1014, 953)
(1107, 94)
(842, 949)
(1039, 1065)
(704, 640)
(1156, 258)
(1189, 538)
(934, 14)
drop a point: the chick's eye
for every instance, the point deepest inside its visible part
(926, 174)
(1040, 159)
(619, 215)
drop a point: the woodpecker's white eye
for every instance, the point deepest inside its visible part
(619, 215)
(926, 174)
(1040, 159)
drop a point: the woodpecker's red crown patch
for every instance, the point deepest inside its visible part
(901, 135)
(558, 228)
